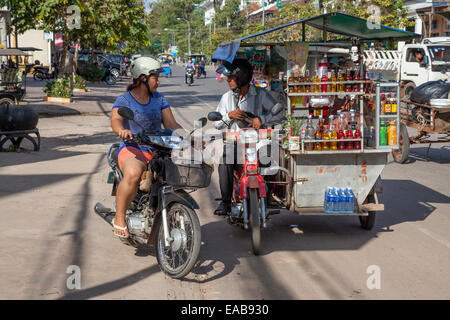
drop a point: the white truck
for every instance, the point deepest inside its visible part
(405, 67)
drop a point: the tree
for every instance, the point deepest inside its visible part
(94, 24)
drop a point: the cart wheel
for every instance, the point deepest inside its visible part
(367, 222)
(6, 101)
(401, 155)
(255, 227)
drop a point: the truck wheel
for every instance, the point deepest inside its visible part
(401, 155)
(7, 101)
(407, 89)
(367, 222)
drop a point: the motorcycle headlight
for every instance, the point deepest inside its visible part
(250, 154)
(248, 136)
(172, 142)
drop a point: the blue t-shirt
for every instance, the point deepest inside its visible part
(147, 115)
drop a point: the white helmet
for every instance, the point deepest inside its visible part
(145, 66)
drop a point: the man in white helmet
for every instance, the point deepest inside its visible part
(150, 109)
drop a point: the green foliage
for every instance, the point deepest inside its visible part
(58, 88)
(92, 73)
(295, 123)
(79, 82)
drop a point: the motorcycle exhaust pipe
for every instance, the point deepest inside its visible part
(105, 213)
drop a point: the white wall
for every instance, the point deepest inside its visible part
(36, 39)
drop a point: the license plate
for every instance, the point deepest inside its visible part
(111, 177)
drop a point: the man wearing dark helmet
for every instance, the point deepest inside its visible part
(242, 97)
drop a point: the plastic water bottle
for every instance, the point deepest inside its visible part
(334, 200)
(341, 201)
(326, 200)
(351, 200)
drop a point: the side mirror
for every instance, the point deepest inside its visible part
(203, 121)
(277, 109)
(126, 113)
(214, 116)
(425, 59)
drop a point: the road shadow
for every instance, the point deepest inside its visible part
(437, 154)
(52, 148)
(292, 232)
(407, 201)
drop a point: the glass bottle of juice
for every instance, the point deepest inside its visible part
(318, 136)
(349, 144)
(324, 87)
(325, 136)
(341, 87)
(394, 105)
(333, 134)
(316, 85)
(333, 85)
(356, 85)
(341, 136)
(307, 78)
(387, 106)
(318, 111)
(392, 134)
(382, 103)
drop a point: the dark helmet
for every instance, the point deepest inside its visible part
(240, 68)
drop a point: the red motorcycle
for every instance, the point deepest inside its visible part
(249, 187)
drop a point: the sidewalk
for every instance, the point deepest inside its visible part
(99, 99)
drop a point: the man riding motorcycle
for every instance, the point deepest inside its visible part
(242, 97)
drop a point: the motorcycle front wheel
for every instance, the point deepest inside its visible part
(38, 76)
(111, 80)
(255, 227)
(178, 259)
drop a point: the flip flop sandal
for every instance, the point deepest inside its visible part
(121, 229)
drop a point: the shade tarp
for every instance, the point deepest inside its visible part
(344, 24)
(226, 51)
(13, 52)
(337, 23)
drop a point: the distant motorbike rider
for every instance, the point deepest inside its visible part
(189, 65)
(242, 97)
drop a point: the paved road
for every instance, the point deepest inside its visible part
(46, 202)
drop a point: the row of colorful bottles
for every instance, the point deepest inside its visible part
(388, 133)
(334, 130)
(317, 87)
(339, 200)
(388, 104)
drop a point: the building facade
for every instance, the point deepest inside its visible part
(432, 18)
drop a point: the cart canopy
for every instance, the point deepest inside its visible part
(337, 23)
(13, 52)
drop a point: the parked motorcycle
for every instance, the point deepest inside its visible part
(41, 73)
(163, 215)
(108, 77)
(190, 76)
(249, 186)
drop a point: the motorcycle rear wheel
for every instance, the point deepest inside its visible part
(178, 259)
(255, 226)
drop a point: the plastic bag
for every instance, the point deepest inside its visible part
(430, 90)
